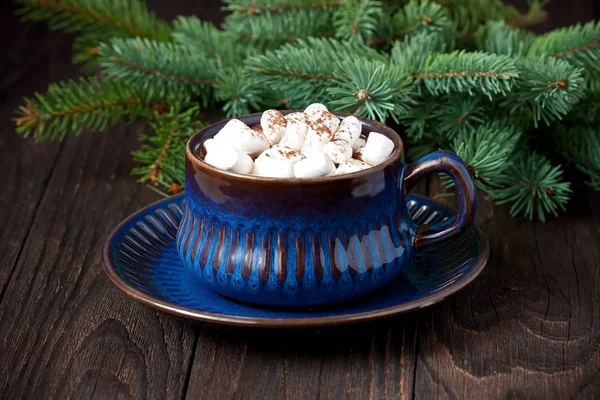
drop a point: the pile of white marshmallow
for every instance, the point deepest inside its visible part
(307, 144)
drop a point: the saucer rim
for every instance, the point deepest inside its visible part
(301, 322)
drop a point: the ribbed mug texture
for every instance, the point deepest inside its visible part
(285, 242)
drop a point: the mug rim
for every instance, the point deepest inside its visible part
(379, 128)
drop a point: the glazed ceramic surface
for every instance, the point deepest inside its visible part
(140, 257)
(306, 242)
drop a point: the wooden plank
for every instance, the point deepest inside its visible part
(367, 361)
(529, 326)
(31, 58)
(66, 331)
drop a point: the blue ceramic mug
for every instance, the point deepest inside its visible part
(313, 241)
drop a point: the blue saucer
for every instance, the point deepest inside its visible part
(141, 259)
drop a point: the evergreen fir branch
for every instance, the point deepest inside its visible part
(77, 105)
(270, 29)
(418, 119)
(412, 53)
(242, 95)
(468, 15)
(302, 71)
(588, 109)
(162, 69)
(534, 16)
(97, 20)
(580, 144)
(385, 32)
(487, 151)
(579, 45)
(203, 38)
(357, 20)
(463, 72)
(549, 87)
(420, 16)
(498, 38)
(162, 154)
(372, 89)
(86, 50)
(533, 187)
(458, 115)
(254, 7)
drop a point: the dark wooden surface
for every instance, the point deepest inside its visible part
(529, 327)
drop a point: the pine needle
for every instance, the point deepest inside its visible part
(77, 105)
(161, 69)
(162, 154)
(533, 187)
(357, 20)
(472, 73)
(579, 45)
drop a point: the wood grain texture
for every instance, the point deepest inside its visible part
(71, 333)
(31, 58)
(368, 361)
(527, 328)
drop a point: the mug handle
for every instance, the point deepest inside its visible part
(450, 164)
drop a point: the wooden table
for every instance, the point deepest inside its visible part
(528, 327)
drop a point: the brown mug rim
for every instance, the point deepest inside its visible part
(380, 128)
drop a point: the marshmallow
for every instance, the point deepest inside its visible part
(243, 165)
(277, 162)
(224, 156)
(311, 167)
(315, 107)
(210, 144)
(350, 166)
(317, 136)
(349, 130)
(358, 144)
(295, 131)
(313, 144)
(320, 118)
(377, 149)
(338, 150)
(283, 152)
(240, 136)
(273, 125)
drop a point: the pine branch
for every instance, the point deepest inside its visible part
(412, 53)
(203, 38)
(75, 106)
(579, 45)
(254, 7)
(357, 20)
(419, 119)
(533, 187)
(160, 68)
(550, 88)
(96, 20)
(420, 16)
(242, 95)
(498, 38)
(162, 155)
(372, 89)
(487, 151)
(463, 72)
(468, 15)
(270, 23)
(458, 115)
(580, 144)
(587, 111)
(303, 71)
